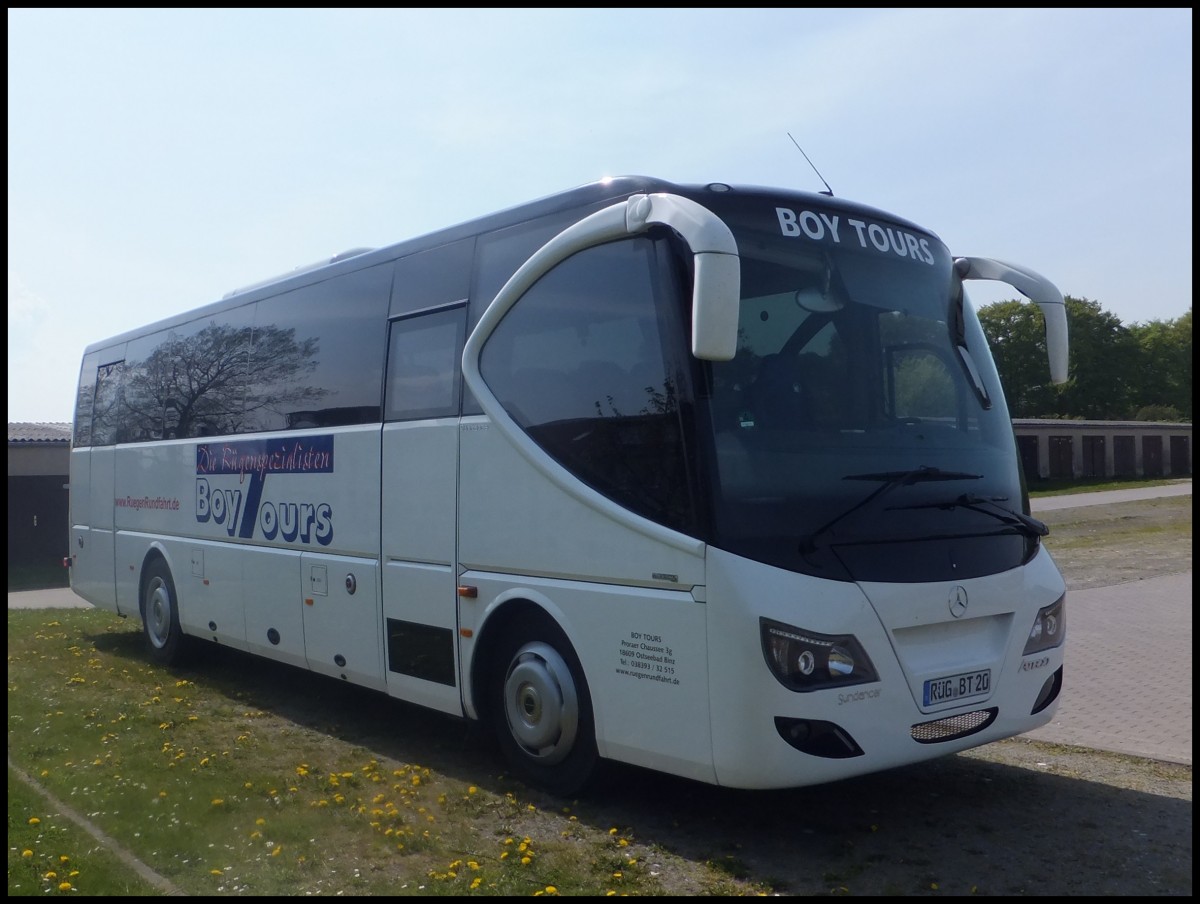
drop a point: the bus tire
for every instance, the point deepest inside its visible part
(160, 615)
(542, 711)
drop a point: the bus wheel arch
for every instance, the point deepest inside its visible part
(535, 699)
(158, 605)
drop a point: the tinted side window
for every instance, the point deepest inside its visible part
(106, 410)
(591, 363)
(84, 398)
(318, 352)
(188, 381)
(500, 254)
(423, 376)
(433, 278)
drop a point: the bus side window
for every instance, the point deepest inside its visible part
(106, 411)
(84, 400)
(423, 365)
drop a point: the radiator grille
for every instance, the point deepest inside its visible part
(953, 727)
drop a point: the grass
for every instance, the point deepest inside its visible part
(1094, 485)
(248, 777)
(1101, 545)
(49, 853)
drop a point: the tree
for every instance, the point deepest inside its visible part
(1105, 361)
(1017, 335)
(1166, 375)
(1105, 365)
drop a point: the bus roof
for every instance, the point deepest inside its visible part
(581, 196)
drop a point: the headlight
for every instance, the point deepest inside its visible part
(1049, 628)
(808, 661)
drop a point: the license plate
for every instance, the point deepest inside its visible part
(958, 687)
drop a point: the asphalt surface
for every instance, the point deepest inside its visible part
(1128, 679)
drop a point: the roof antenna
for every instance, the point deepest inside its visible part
(828, 191)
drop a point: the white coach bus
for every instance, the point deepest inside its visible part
(714, 480)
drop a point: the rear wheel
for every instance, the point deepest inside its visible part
(542, 711)
(160, 615)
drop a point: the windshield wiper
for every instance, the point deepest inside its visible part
(890, 480)
(1031, 526)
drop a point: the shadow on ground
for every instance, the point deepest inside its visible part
(1014, 818)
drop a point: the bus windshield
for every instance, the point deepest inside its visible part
(861, 424)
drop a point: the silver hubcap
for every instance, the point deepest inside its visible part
(541, 703)
(158, 612)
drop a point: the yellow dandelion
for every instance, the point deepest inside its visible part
(260, 821)
(475, 882)
(63, 858)
(51, 875)
(64, 886)
(472, 790)
(618, 875)
(622, 842)
(27, 853)
(551, 890)
(214, 872)
(218, 802)
(278, 850)
(612, 831)
(526, 860)
(34, 821)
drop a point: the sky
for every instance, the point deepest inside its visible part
(158, 159)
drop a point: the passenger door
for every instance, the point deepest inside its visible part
(419, 482)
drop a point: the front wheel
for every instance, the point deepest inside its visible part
(542, 711)
(160, 615)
